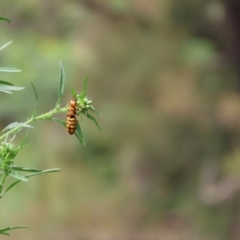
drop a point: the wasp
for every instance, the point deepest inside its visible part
(72, 121)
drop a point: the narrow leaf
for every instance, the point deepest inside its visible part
(24, 139)
(61, 83)
(5, 19)
(83, 94)
(26, 169)
(5, 230)
(8, 69)
(5, 83)
(16, 124)
(36, 98)
(73, 92)
(78, 132)
(79, 135)
(5, 87)
(18, 176)
(5, 91)
(23, 146)
(94, 120)
(94, 110)
(85, 85)
(5, 45)
(28, 176)
(61, 122)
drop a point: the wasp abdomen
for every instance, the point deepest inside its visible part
(72, 121)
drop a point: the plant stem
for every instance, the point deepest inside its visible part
(45, 116)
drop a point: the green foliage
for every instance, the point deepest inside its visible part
(6, 86)
(170, 90)
(5, 19)
(61, 84)
(8, 151)
(5, 231)
(85, 104)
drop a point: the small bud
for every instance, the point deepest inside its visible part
(89, 101)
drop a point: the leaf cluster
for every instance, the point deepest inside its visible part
(8, 152)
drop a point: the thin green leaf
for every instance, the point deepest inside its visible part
(5, 230)
(5, 19)
(16, 124)
(61, 83)
(5, 91)
(84, 92)
(5, 45)
(24, 139)
(85, 85)
(8, 69)
(28, 176)
(26, 169)
(94, 120)
(94, 110)
(78, 132)
(26, 145)
(6, 138)
(36, 98)
(18, 176)
(73, 92)
(59, 121)
(79, 135)
(10, 88)
(4, 87)
(5, 83)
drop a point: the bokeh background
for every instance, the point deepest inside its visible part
(165, 76)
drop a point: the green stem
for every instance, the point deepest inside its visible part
(3, 178)
(45, 116)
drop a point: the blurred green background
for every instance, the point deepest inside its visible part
(165, 76)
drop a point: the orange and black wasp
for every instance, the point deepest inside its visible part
(72, 121)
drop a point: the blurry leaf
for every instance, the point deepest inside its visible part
(5, 19)
(26, 145)
(24, 139)
(84, 92)
(198, 51)
(5, 83)
(8, 88)
(5, 91)
(59, 121)
(79, 135)
(94, 110)
(28, 176)
(26, 169)
(5, 45)
(78, 132)
(94, 120)
(73, 92)
(4, 230)
(61, 83)
(36, 97)
(16, 124)
(18, 176)
(8, 69)
(85, 85)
